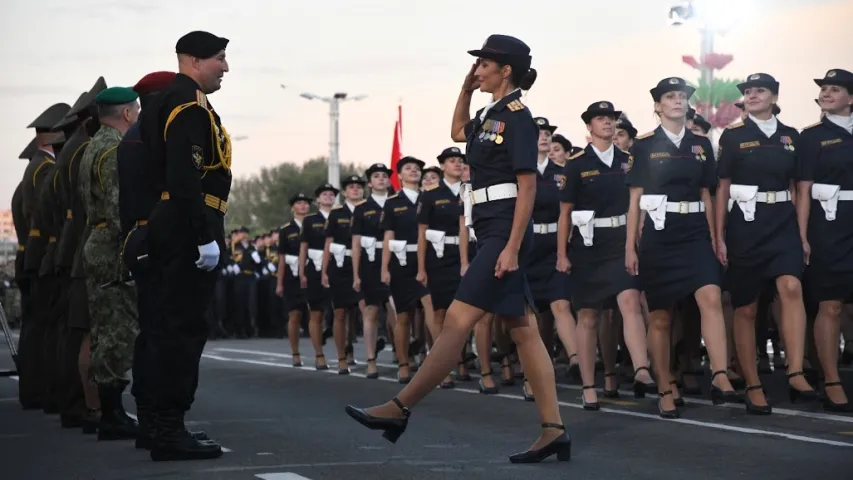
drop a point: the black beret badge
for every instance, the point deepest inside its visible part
(198, 157)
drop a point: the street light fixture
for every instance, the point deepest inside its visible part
(334, 176)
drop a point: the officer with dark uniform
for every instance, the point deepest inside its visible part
(501, 150)
(294, 300)
(625, 134)
(32, 369)
(189, 155)
(367, 261)
(312, 243)
(248, 263)
(594, 200)
(824, 151)
(758, 236)
(273, 328)
(400, 259)
(337, 264)
(439, 223)
(671, 177)
(72, 399)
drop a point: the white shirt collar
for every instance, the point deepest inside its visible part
(411, 194)
(453, 187)
(676, 139)
(541, 166)
(380, 199)
(492, 104)
(52, 155)
(351, 206)
(607, 155)
(768, 127)
(844, 122)
(325, 214)
(297, 222)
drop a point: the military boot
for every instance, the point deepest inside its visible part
(91, 419)
(145, 437)
(115, 423)
(172, 441)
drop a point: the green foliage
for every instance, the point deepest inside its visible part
(719, 91)
(261, 201)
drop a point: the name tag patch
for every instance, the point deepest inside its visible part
(590, 173)
(826, 143)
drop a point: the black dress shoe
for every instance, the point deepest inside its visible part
(391, 428)
(560, 446)
(752, 408)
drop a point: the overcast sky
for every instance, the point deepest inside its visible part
(392, 50)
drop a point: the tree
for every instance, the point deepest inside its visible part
(716, 102)
(261, 201)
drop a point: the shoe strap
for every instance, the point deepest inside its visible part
(588, 387)
(718, 372)
(572, 356)
(754, 387)
(486, 373)
(639, 369)
(554, 425)
(796, 374)
(371, 359)
(611, 374)
(401, 365)
(663, 394)
(402, 407)
(320, 356)
(832, 384)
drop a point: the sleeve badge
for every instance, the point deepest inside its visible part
(198, 157)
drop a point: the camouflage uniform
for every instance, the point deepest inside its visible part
(113, 310)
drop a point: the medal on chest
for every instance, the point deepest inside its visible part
(787, 143)
(699, 152)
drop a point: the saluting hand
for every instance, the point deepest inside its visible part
(507, 262)
(471, 81)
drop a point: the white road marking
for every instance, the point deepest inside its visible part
(630, 394)
(281, 476)
(711, 425)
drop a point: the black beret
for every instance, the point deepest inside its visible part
(200, 44)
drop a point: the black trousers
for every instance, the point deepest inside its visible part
(246, 299)
(71, 400)
(28, 392)
(146, 300)
(178, 331)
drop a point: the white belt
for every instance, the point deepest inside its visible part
(439, 239)
(292, 261)
(502, 191)
(400, 249)
(340, 252)
(746, 197)
(544, 228)
(657, 207)
(316, 257)
(829, 196)
(369, 244)
(586, 223)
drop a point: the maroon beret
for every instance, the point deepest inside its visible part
(153, 82)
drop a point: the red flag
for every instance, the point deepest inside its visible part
(396, 149)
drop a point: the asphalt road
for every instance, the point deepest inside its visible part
(283, 423)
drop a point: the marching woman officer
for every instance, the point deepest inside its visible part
(670, 178)
(338, 276)
(549, 286)
(400, 223)
(287, 284)
(439, 223)
(594, 199)
(761, 239)
(367, 266)
(825, 152)
(501, 151)
(311, 246)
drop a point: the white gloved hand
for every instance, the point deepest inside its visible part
(236, 269)
(256, 257)
(208, 256)
(265, 272)
(271, 267)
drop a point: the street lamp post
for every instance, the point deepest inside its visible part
(334, 139)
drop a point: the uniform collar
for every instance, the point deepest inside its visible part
(688, 135)
(184, 80)
(500, 104)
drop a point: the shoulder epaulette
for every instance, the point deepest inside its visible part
(515, 106)
(736, 125)
(430, 188)
(285, 225)
(577, 155)
(201, 98)
(360, 202)
(626, 152)
(394, 196)
(645, 135)
(813, 125)
(337, 207)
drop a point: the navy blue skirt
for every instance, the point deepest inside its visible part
(375, 292)
(547, 285)
(316, 295)
(508, 296)
(340, 283)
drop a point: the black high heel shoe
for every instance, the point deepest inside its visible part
(345, 370)
(560, 446)
(373, 375)
(754, 409)
(591, 406)
(487, 390)
(794, 393)
(641, 388)
(679, 402)
(317, 365)
(400, 379)
(297, 360)
(391, 428)
(528, 397)
(466, 377)
(610, 393)
(668, 414)
(831, 406)
(718, 396)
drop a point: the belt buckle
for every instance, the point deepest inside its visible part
(683, 207)
(614, 222)
(542, 229)
(771, 197)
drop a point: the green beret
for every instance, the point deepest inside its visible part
(116, 96)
